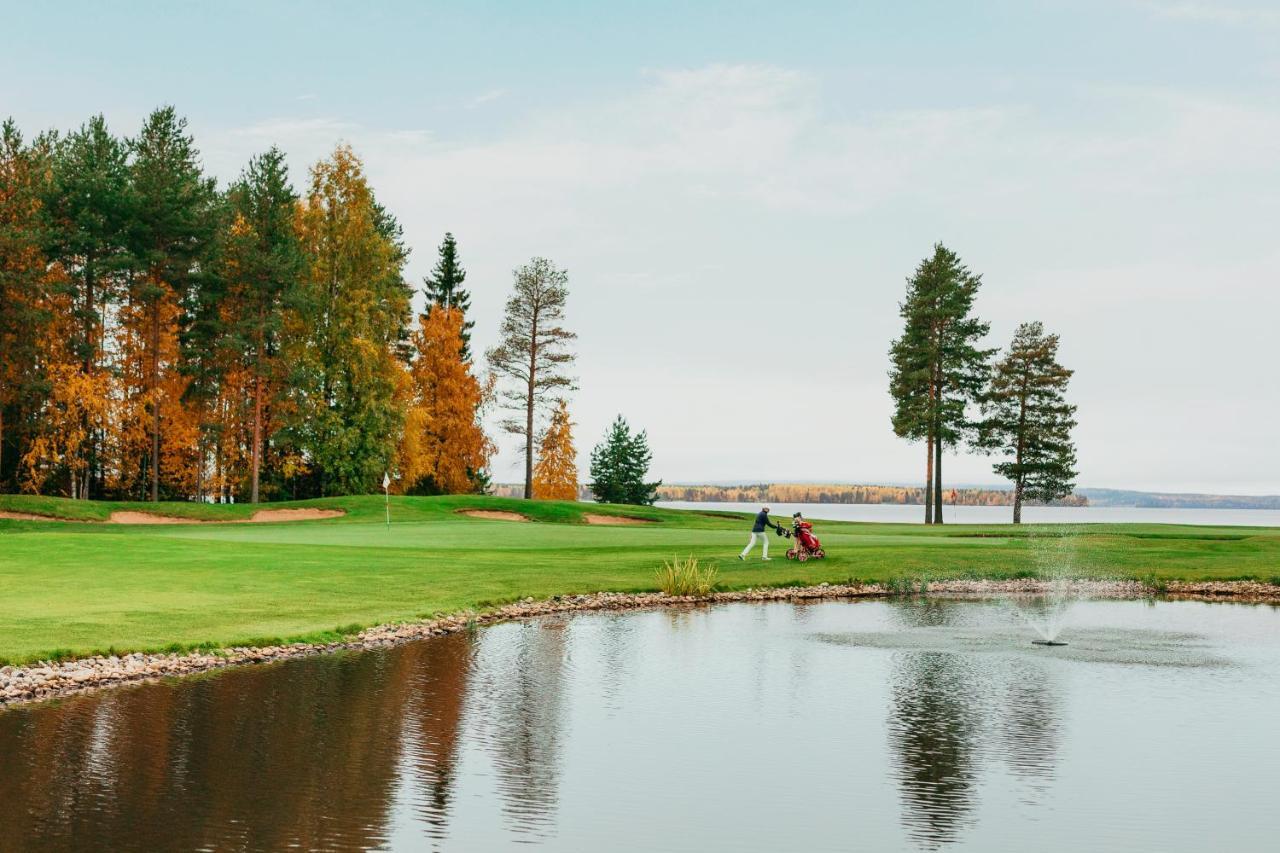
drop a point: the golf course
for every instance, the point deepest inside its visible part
(80, 585)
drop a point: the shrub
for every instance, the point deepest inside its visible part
(686, 577)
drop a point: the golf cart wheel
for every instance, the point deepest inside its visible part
(802, 556)
(791, 553)
(820, 554)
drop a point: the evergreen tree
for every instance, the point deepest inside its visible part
(555, 477)
(90, 206)
(266, 264)
(1026, 416)
(25, 306)
(444, 288)
(171, 233)
(533, 352)
(938, 368)
(619, 465)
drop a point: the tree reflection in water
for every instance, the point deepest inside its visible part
(954, 717)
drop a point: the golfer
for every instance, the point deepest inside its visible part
(758, 532)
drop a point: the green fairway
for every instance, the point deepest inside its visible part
(76, 588)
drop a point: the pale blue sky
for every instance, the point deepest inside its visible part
(739, 190)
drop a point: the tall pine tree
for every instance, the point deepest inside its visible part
(171, 234)
(534, 352)
(1026, 417)
(939, 370)
(619, 466)
(444, 288)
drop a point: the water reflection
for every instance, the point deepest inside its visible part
(953, 713)
(742, 727)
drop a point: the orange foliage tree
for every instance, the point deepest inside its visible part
(555, 477)
(443, 444)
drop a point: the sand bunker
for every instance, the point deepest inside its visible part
(129, 517)
(591, 518)
(493, 514)
(27, 516)
(303, 514)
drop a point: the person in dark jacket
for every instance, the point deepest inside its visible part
(761, 525)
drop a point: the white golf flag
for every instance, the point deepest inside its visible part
(386, 480)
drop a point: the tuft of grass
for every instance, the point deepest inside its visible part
(686, 577)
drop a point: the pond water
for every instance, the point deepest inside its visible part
(882, 725)
(907, 514)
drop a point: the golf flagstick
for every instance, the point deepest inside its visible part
(386, 493)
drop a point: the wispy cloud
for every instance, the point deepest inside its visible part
(486, 97)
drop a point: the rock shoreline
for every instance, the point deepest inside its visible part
(48, 680)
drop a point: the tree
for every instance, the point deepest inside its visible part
(1025, 414)
(533, 352)
(938, 369)
(344, 335)
(90, 205)
(444, 288)
(555, 477)
(443, 443)
(23, 295)
(171, 232)
(619, 465)
(265, 265)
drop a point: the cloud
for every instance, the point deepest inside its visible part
(486, 97)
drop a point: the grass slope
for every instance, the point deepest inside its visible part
(77, 588)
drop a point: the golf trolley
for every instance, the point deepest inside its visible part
(807, 546)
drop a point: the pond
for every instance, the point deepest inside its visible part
(887, 725)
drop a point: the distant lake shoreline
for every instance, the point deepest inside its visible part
(914, 513)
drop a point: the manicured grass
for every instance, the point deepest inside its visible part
(78, 588)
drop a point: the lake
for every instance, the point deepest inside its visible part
(879, 724)
(899, 513)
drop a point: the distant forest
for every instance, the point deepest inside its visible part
(819, 494)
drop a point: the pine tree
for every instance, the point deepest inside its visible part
(345, 336)
(619, 465)
(555, 477)
(25, 305)
(1025, 415)
(533, 352)
(443, 442)
(444, 288)
(90, 205)
(940, 343)
(266, 263)
(171, 234)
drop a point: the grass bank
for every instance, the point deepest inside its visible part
(80, 587)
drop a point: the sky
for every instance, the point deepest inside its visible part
(739, 191)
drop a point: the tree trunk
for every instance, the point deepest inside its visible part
(928, 480)
(937, 479)
(257, 435)
(528, 413)
(155, 402)
(1017, 501)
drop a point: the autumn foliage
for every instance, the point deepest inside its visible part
(555, 477)
(165, 339)
(443, 445)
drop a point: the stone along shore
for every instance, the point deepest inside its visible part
(48, 679)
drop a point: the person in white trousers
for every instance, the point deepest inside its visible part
(759, 531)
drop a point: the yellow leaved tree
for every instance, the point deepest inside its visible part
(555, 477)
(443, 445)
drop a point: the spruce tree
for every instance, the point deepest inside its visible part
(1026, 416)
(938, 368)
(444, 288)
(534, 353)
(619, 465)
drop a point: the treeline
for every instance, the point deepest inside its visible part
(844, 494)
(162, 338)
